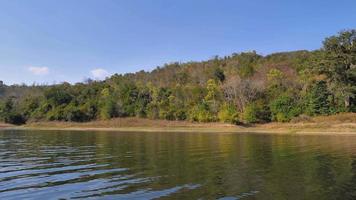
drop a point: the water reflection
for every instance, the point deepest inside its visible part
(107, 165)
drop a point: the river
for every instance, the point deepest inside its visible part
(119, 165)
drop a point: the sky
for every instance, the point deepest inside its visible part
(51, 41)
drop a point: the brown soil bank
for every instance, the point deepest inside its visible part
(340, 123)
(3, 125)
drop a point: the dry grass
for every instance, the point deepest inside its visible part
(341, 123)
(128, 122)
(338, 118)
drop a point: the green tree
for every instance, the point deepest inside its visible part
(106, 105)
(284, 108)
(57, 95)
(29, 105)
(318, 99)
(73, 113)
(213, 96)
(338, 65)
(9, 114)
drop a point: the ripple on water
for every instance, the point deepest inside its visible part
(89, 165)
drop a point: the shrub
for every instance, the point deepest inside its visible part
(15, 118)
(228, 113)
(250, 114)
(256, 112)
(73, 113)
(167, 114)
(152, 111)
(284, 108)
(181, 114)
(201, 113)
(56, 114)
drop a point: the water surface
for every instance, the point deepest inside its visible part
(110, 165)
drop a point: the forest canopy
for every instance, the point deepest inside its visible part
(240, 88)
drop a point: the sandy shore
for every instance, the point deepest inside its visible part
(275, 129)
(199, 130)
(335, 125)
(3, 125)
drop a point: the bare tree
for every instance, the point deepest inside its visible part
(241, 91)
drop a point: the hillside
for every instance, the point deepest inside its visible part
(240, 88)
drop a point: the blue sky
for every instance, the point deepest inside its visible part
(46, 41)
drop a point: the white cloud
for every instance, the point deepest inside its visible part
(99, 73)
(39, 70)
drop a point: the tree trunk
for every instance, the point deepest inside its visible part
(347, 102)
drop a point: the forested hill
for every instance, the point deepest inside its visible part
(244, 87)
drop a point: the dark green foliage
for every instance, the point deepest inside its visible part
(73, 113)
(319, 99)
(9, 114)
(256, 112)
(219, 74)
(244, 86)
(29, 105)
(337, 63)
(128, 94)
(15, 118)
(284, 108)
(57, 96)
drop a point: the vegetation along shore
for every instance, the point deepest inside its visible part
(247, 90)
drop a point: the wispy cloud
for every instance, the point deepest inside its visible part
(99, 73)
(39, 71)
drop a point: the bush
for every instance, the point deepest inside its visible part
(228, 113)
(73, 113)
(181, 114)
(167, 114)
(201, 113)
(284, 108)
(15, 118)
(152, 111)
(250, 114)
(57, 95)
(56, 114)
(256, 112)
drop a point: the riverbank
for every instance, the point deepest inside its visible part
(336, 124)
(4, 125)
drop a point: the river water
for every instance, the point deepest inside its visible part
(118, 165)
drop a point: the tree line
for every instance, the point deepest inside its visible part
(240, 88)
